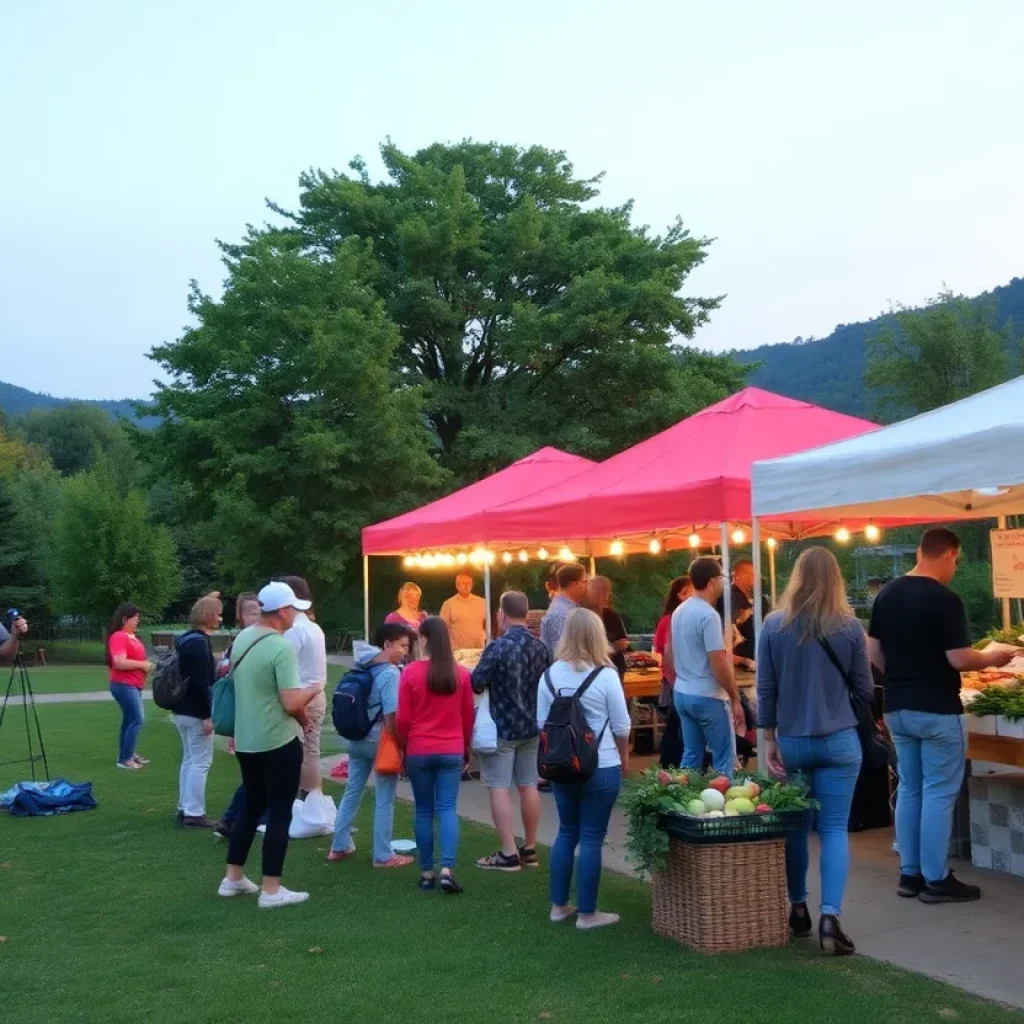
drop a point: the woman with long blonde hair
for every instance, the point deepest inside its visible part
(583, 666)
(810, 655)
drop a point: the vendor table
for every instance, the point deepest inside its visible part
(995, 749)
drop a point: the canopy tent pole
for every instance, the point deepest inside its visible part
(756, 555)
(726, 590)
(1005, 602)
(366, 598)
(593, 567)
(487, 596)
(771, 574)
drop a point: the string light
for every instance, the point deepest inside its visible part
(694, 540)
(872, 532)
(507, 557)
(566, 555)
(489, 557)
(524, 555)
(618, 549)
(772, 543)
(409, 561)
(429, 561)
(448, 559)
(655, 546)
(738, 537)
(842, 535)
(542, 554)
(461, 558)
(478, 556)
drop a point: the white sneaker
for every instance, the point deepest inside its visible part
(282, 898)
(262, 829)
(599, 919)
(243, 887)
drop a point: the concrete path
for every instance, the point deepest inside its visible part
(973, 946)
(73, 698)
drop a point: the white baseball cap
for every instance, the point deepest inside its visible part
(275, 596)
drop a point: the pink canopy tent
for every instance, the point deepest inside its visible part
(458, 520)
(691, 477)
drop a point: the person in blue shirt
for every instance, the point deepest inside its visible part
(383, 661)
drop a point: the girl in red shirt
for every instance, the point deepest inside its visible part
(434, 725)
(129, 667)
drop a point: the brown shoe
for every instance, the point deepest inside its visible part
(201, 822)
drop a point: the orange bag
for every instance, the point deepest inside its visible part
(389, 758)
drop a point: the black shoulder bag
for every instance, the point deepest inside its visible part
(874, 742)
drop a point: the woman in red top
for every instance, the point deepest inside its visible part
(434, 725)
(678, 591)
(129, 667)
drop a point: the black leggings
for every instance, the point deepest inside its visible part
(271, 780)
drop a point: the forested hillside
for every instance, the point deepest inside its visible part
(830, 371)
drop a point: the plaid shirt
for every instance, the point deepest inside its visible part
(510, 669)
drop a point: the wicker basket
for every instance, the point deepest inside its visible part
(723, 898)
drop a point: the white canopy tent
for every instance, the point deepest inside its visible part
(963, 461)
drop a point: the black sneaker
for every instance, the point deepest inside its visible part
(222, 830)
(949, 890)
(799, 921)
(910, 886)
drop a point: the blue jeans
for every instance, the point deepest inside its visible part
(129, 699)
(831, 765)
(932, 753)
(361, 755)
(707, 723)
(235, 807)
(435, 782)
(583, 813)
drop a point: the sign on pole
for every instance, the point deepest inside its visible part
(1008, 563)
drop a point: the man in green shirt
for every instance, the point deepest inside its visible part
(270, 704)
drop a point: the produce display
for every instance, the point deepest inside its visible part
(468, 657)
(640, 660)
(1014, 636)
(1007, 701)
(661, 803)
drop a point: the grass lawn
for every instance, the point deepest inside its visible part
(62, 678)
(111, 915)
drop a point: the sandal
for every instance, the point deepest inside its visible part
(500, 862)
(397, 861)
(528, 857)
(450, 886)
(427, 882)
(335, 855)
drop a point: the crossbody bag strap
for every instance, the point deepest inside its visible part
(241, 657)
(834, 658)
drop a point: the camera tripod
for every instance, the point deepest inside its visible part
(20, 684)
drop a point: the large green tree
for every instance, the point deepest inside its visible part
(106, 550)
(285, 426)
(946, 351)
(74, 436)
(528, 313)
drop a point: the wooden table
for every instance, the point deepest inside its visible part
(995, 749)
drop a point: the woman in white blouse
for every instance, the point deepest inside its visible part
(584, 808)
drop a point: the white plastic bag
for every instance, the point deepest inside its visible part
(485, 732)
(313, 816)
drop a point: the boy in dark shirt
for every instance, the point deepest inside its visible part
(919, 640)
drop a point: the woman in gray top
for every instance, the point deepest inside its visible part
(803, 706)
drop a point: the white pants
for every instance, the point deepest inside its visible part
(196, 758)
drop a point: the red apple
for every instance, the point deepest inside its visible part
(683, 779)
(762, 809)
(663, 778)
(721, 784)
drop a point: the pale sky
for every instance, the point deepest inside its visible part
(841, 158)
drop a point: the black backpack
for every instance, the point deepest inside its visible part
(568, 746)
(169, 686)
(350, 704)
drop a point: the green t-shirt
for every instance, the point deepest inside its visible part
(261, 722)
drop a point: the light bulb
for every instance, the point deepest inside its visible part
(566, 555)
(694, 540)
(617, 549)
(542, 554)
(418, 560)
(524, 555)
(429, 561)
(772, 543)
(507, 557)
(655, 546)
(738, 536)
(448, 559)
(461, 558)
(872, 532)
(409, 561)
(842, 535)
(478, 556)
(489, 557)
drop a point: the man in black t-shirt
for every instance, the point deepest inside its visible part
(742, 609)
(919, 640)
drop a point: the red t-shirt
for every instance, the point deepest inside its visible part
(127, 646)
(661, 634)
(433, 723)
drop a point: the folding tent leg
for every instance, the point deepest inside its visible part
(487, 597)
(771, 575)
(726, 590)
(366, 598)
(756, 553)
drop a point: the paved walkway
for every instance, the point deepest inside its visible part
(974, 946)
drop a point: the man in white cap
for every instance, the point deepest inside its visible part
(270, 716)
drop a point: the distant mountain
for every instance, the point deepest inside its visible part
(16, 401)
(830, 371)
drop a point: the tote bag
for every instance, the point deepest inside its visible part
(389, 758)
(485, 733)
(222, 712)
